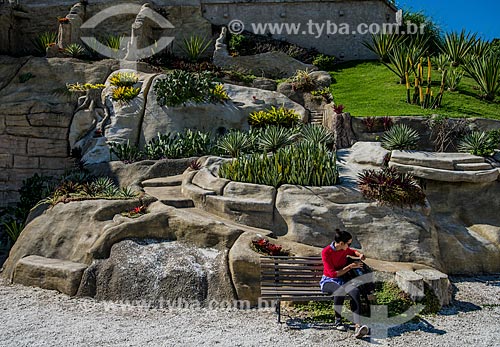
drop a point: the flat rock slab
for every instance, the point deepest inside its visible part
(480, 176)
(48, 273)
(368, 153)
(171, 196)
(164, 181)
(445, 161)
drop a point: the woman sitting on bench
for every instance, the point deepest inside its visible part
(334, 267)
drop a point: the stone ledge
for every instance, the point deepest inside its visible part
(61, 275)
(481, 176)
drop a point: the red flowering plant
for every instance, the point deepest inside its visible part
(338, 109)
(263, 246)
(63, 20)
(135, 212)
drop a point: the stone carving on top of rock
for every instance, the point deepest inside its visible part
(69, 29)
(270, 64)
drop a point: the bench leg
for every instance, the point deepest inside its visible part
(278, 310)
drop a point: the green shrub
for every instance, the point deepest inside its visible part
(383, 44)
(453, 79)
(125, 152)
(74, 50)
(236, 43)
(180, 87)
(13, 229)
(457, 46)
(124, 79)
(478, 143)
(235, 143)
(274, 116)
(113, 42)
(324, 62)
(400, 137)
(273, 138)
(325, 93)
(240, 76)
(303, 81)
(441, 62)
(390, 187)
(44, 41)
(301, 164)
(180, 145)
(125, 94)
(194, 47)
(316, 134)
(486, 72)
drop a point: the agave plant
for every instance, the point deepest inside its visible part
(195, 143)
(486, 72)
(478, 143)
(441, 62)
(44, 41)
(453, 79)
(456, 46)
(400, 137)
(234, 143)
(481, 48)
(275, 137)
(125, 152)
(316, 134)
(194, 47)
(383, 44)
(103, 186)
(13, 229)
(127, 192)
(74, 50)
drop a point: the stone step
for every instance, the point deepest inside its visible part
(473, 167)
(170, 196)
(168, 181)
(48, 273)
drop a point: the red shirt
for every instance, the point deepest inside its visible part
(334, 260)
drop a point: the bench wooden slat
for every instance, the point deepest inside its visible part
(291, 261)
(298, 298)
(292, 291)
(290, 284)
(291, 278)
(292, 267)
(285, 257)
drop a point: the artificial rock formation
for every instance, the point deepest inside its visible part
(270, 64)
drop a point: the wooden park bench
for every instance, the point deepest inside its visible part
(288, 278)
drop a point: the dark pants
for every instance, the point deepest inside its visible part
(338, 300)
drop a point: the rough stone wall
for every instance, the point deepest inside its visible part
(34, 120)
(346, 47)
(39, 16)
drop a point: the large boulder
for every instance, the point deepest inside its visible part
(468, 224)
(232, 114)
(159, 272)
(313, 213)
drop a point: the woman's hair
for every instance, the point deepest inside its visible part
(342, 236)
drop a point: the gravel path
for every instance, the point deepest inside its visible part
(36, 317)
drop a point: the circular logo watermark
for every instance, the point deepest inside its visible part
(129, 50)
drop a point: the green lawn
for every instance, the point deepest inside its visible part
(371, 89)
